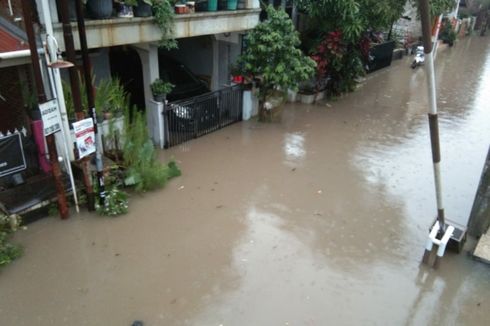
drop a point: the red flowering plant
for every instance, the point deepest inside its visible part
(328, 56)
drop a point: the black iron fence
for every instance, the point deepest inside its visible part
(200, 115)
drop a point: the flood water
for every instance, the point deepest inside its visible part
(320, 219)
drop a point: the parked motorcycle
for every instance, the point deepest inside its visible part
(419, 57)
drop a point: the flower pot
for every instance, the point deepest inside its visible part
(222, 4)
(100, 9)
(212, 5)
(180, 9)
(307, 98)
(159, 97)
(232, 4)
(142, 9)
(292, 96)
(125, 11)
(238, 79)
(191, 7)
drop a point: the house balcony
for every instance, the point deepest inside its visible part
(124, 31)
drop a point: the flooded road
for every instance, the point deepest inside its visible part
(318, 220)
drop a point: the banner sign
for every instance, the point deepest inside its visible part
(51, 117)
(85, 137)
(12, 158)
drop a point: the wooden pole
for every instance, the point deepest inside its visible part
(41, 95)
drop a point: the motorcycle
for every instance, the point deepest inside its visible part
(419, 57)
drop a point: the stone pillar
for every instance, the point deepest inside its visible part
(149, 63)
(148, 54)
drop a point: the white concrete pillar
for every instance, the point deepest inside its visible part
(149, 63)
(148, 54)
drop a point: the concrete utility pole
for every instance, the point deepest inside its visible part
(41, 95)
(441, 232)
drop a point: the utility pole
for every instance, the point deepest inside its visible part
(443, 230)
(75, 89)
(91, 101)
(41, 95)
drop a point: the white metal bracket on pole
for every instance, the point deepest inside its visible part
(441, 243)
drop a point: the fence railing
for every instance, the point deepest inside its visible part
(200, 115)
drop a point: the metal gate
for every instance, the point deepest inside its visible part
(200, 115)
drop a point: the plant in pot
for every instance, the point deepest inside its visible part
(99, 9)
(236, 74)
(180, 8)
(125, 8)
(163, 11)
(448, 35)
(160, 89)
(227, 4)
(212, 5)
(272, 56)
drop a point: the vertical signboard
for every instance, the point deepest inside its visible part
(51, 117)
(85, 137)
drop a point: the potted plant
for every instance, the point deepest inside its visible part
(227, 4)
(99, 9)
(272, 56)
(448, 35)
(125, 8)
(160, 89)
(231, 4)
(180, 8)
(143, 8)
(236, 75)
(212, 5)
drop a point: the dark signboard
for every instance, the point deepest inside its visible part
(12, 158)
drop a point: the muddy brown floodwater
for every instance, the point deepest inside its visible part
(318, 220)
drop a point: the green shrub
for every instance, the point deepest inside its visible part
(143, 170)
(8, 251)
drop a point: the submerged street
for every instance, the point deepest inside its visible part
(320, 219)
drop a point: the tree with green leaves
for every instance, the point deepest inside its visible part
(272, 56)
(341, 59)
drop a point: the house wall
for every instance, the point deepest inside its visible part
(100, 65)
(408, 30)
(228, 54)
